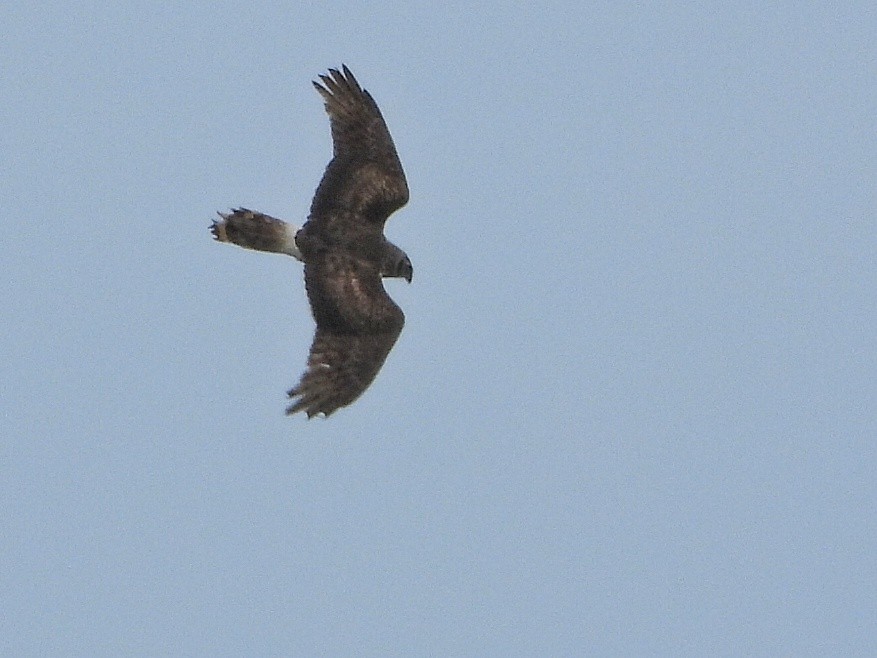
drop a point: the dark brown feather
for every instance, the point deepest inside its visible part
(357, 326)
(344, 250)
(340, 368)
(364, 180)
(344, 247)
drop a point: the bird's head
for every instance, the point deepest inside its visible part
(396, 264)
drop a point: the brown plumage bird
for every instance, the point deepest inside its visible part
(343, 248)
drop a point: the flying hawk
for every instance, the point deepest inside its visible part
(343, 248)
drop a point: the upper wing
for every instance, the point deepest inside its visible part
(364, 178)
(357, 326)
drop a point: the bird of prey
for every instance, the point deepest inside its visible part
(343, 248)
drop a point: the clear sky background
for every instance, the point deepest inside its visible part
(632, 411)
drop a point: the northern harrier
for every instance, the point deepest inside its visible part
(343, 248)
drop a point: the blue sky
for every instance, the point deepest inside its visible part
(632, 409)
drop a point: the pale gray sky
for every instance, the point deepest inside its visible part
(632, 411)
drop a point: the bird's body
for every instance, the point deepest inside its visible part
(344, 250)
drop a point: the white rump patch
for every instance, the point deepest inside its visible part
(289, 246)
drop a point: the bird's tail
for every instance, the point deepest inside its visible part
(254, 230)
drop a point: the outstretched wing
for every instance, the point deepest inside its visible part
(340, 368)
(364, 179)
(357, 326)
(255, 230)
